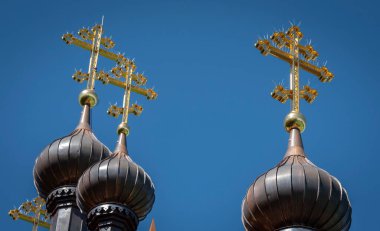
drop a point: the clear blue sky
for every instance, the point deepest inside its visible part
(214, 127)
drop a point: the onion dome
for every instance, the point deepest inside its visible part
(116, 188)
(64, 160)
(296, 195)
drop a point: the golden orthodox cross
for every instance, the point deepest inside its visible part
(291, 40)
(32, 212)
(100, 46)
(127, 72)
(88, 96)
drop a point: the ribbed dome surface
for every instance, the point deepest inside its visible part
(296, 193)
(116, 179)
(63, 161)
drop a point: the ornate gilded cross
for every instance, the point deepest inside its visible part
(290, 39)
(125, 68)
(126, 71)
(33, 212)
(88, 96)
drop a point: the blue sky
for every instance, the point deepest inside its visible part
(214, 127)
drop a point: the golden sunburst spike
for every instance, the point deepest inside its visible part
(299, 56)
(33, 212)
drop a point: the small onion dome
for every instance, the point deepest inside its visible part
(63, 161)
(296, 195)
(116, 180)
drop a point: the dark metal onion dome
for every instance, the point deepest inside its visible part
(296, 195)
(116, 190)
(64, 160)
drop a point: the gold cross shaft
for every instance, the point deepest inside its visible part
(127, 91)
(96, 38)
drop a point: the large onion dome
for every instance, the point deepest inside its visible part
(296, 195)
(116, 190)
(64, 160)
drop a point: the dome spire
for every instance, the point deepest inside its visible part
(121, 145)
(152, 226)
(295, 145)
(85, 118)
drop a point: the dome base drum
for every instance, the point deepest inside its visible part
(64, 212)
(60, 198)
(112, 217)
